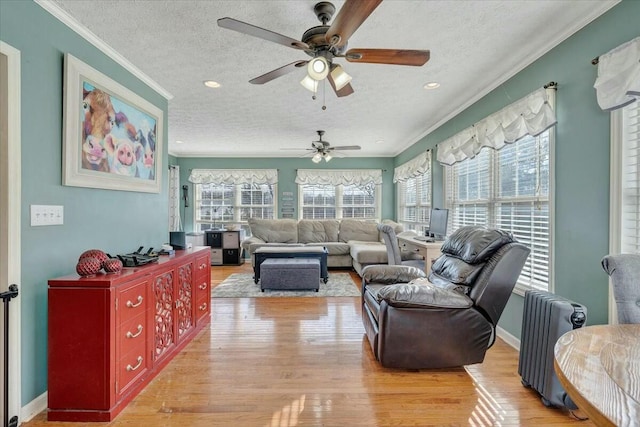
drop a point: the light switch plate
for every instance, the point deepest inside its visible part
(47, 215)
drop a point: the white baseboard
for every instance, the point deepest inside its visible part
(33, 408)
(508, 338)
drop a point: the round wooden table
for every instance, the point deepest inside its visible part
(599, 367)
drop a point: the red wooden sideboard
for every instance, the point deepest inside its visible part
(110, 334)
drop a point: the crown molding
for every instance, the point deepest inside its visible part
(64, 17)
(602, 7)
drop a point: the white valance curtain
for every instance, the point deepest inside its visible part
(175, 224)
(339, 177)
(234, 176)
(530, 115)
(413, 168)
(618, 82)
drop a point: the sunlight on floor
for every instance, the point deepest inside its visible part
(288, 415)
(487, 412)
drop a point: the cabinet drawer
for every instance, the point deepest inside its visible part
(216, 256)
(131, 367)
(203, 308)
(133, 301)
(202, 264)
(131, 333)
(230, 240)
(203, 289)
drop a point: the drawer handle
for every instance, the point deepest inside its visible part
(203, 286)
(130, 335)
(202, 266)
(133, 368)
(132, 305)
(203, 307)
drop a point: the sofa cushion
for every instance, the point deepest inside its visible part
(474, 244)
(426, 295)
(275, 230)
(318, 231)
(356, 229)
(333, 248)
(368, 252)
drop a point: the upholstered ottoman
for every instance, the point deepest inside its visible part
(290, 274)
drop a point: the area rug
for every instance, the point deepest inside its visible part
(240, 285)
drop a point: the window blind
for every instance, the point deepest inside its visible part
(233, 196)
(414, 202)
(630, 224)
(508, 189)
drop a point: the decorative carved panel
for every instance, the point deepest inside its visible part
(163, 290)
(185, 300)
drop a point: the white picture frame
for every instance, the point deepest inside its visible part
(113, 138)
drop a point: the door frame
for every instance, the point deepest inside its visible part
(11, 164)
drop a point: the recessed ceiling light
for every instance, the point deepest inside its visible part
(179, 142)
(431, 85)
(211, 84)
(380, 141)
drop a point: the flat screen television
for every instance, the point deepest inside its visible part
(438, 223)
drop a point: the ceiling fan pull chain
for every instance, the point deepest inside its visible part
(324, 85)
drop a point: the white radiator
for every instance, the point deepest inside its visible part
(546, 317)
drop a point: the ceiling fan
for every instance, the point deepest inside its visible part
(322, 149)
(326, 42)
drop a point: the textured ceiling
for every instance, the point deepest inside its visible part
(475, 45)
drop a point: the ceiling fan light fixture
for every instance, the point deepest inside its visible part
(340, 77)
(310, 84)
(327, 157)
(318, 68)
(316, 158)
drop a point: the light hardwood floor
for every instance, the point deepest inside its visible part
(305, 362)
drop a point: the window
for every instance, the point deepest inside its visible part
(318, 201)
(339, 194)
(508, 189)
(413, 187)
(626, 179)
(224, 197)
(414, 202)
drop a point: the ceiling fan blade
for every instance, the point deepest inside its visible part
(388, 56)
(278, 72)
(261, 33)
(352, 14)
(346, 147)
(345, 91)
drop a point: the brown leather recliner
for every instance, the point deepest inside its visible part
(448, 320)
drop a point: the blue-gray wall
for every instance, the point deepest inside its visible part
(287, 169)
(115, 221)
(581, 157)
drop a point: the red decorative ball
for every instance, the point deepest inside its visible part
(94, 253)
(112, 265)
(88, 266)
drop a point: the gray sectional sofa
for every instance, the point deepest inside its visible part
(349, 242)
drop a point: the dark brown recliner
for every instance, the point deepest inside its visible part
(448, 320)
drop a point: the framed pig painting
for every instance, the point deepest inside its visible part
(112, 136)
